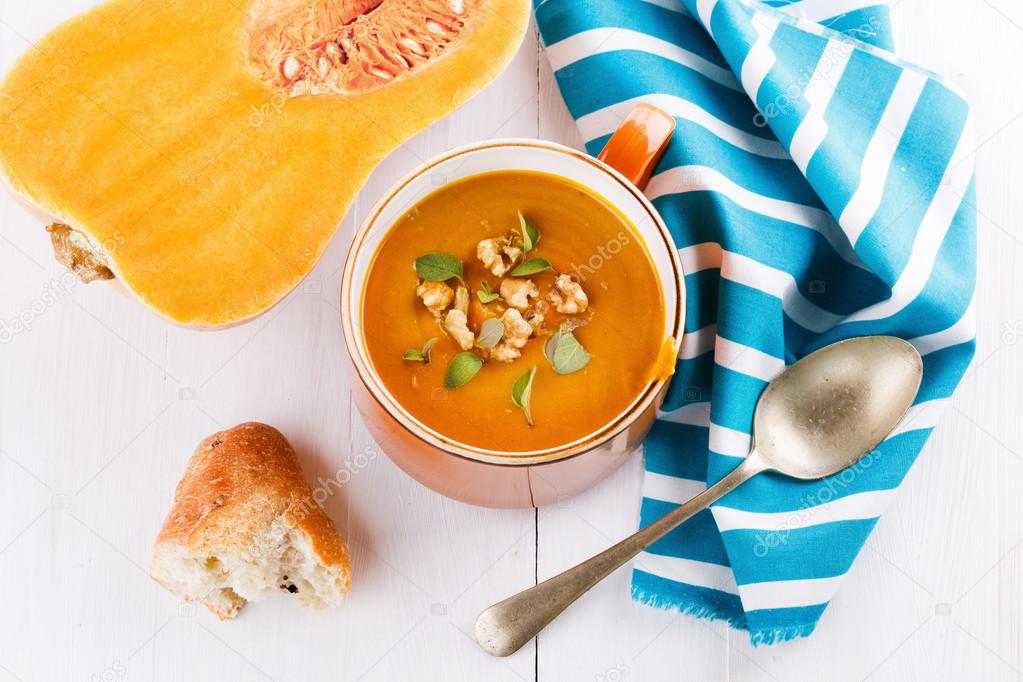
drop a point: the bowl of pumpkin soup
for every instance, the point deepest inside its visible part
(512, 311)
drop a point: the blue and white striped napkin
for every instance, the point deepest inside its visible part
(841, 204)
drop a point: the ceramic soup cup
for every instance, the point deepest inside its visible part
(521, 479)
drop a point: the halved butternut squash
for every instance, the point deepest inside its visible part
(205, 151)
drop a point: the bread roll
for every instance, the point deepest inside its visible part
(245, 524)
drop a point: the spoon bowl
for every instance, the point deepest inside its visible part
(833, 407)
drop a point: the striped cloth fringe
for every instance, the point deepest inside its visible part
(818, 188)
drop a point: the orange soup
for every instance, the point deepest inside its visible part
(514, 311)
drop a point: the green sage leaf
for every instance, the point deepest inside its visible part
(417, 355)
(462, 369)
(530, 233)
(531, 267)
(552, 343)
(491, 333)
(487, 295)
(438, 267)
(522, 393)
(568, 355)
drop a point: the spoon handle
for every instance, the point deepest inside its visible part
(504, 627)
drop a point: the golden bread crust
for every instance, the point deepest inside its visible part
(237, 482)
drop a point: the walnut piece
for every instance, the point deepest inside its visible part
(457, 325)
(516, 332)
(517, 292)
(535, 320)
(568, 296)
(462, 299)
(436, 296)
(499, 254)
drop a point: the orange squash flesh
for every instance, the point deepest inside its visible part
(210, 192)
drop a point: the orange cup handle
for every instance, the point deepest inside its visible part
(638, 143)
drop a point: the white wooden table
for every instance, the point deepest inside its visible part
(101, 404)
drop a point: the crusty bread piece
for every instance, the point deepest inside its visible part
(245, 524)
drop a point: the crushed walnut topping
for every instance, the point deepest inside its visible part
(527, 300)
(436, 296)
(523, 307)
(516, 333)
(462, 299)
(499, 254)
(516, 292)
(456, 324)
(568, 297)
(535, 319)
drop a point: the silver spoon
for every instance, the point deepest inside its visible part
(817, 417)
